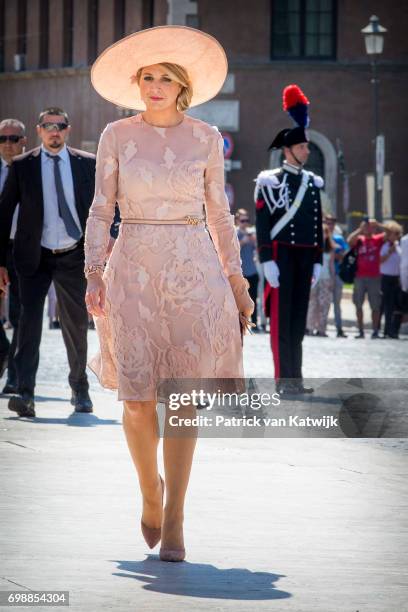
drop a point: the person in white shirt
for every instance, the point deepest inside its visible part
(404, 263)
(402, 298)
(390, 260)
(12, 143)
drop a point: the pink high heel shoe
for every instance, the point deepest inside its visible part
(172, 554)
(152, 535)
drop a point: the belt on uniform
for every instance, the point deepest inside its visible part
(188, 220)
(58, 251)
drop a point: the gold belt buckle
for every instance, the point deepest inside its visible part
(192, 220)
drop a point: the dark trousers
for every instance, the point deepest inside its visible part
(253, 292)
(67, 272)
(14, 314)
(6, 347)
(389, 291)
(401, 308)
(288, 308)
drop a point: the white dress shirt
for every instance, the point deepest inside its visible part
(4, 170)
(54, 234)
(391, 266)
(404, 262)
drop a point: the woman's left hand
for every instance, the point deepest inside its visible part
(245, 305)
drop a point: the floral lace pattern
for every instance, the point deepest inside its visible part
(170, 311)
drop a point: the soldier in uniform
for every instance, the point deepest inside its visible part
(290, 243)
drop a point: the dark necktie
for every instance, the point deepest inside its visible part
(63, 208)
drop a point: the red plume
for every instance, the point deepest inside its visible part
(292, 95)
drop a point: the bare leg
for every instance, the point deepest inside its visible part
(141, 429)
(375, 316)
(360, 321)
(178, 451)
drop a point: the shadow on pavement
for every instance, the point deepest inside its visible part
(202, 580)
(74, 420)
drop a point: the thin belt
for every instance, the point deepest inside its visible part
(187, 220)
(58, 251)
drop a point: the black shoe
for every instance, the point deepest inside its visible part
(283, 387)
(375, 335)
(300, 389)
(360, 335)
(341, 334)
(81, 401)
(9, 389)
(320, 334)
(23, 405)
(292, 388)
(284, 390)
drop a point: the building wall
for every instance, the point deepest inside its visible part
(339, 90)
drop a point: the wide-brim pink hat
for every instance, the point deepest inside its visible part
(113, 73)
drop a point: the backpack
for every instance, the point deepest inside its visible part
(348, 266)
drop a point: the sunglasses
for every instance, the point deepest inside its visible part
(12, 138)
(54, 126)
(244, 220)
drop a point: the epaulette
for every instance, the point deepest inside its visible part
(318, 180)
(268, 178)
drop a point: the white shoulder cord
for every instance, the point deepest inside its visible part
(282, 201)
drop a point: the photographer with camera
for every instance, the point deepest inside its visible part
(367, 240)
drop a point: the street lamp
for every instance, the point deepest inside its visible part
(374, 42)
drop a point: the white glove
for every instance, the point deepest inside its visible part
(317, 268)
(271, 272)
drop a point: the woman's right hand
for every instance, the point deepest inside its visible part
(95, 295)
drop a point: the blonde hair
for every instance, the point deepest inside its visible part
(180, 75)
(241, 212)
(393, 226)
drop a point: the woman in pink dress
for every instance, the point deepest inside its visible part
(169, 301)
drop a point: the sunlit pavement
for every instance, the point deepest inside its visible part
(279, 524)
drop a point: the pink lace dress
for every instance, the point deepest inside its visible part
(170, 312)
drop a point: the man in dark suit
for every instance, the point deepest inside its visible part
(54, 186)
(12, 143)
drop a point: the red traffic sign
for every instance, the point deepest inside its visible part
(228, 144)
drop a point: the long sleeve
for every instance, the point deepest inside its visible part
(219, 219)
(9, 199)
(263, 224)
(404, 263)
(318, 258)
(102, 209)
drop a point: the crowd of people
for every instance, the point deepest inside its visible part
(381, 276)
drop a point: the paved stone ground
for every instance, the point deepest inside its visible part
(296, 525)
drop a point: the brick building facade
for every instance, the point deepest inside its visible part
(47, 46)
